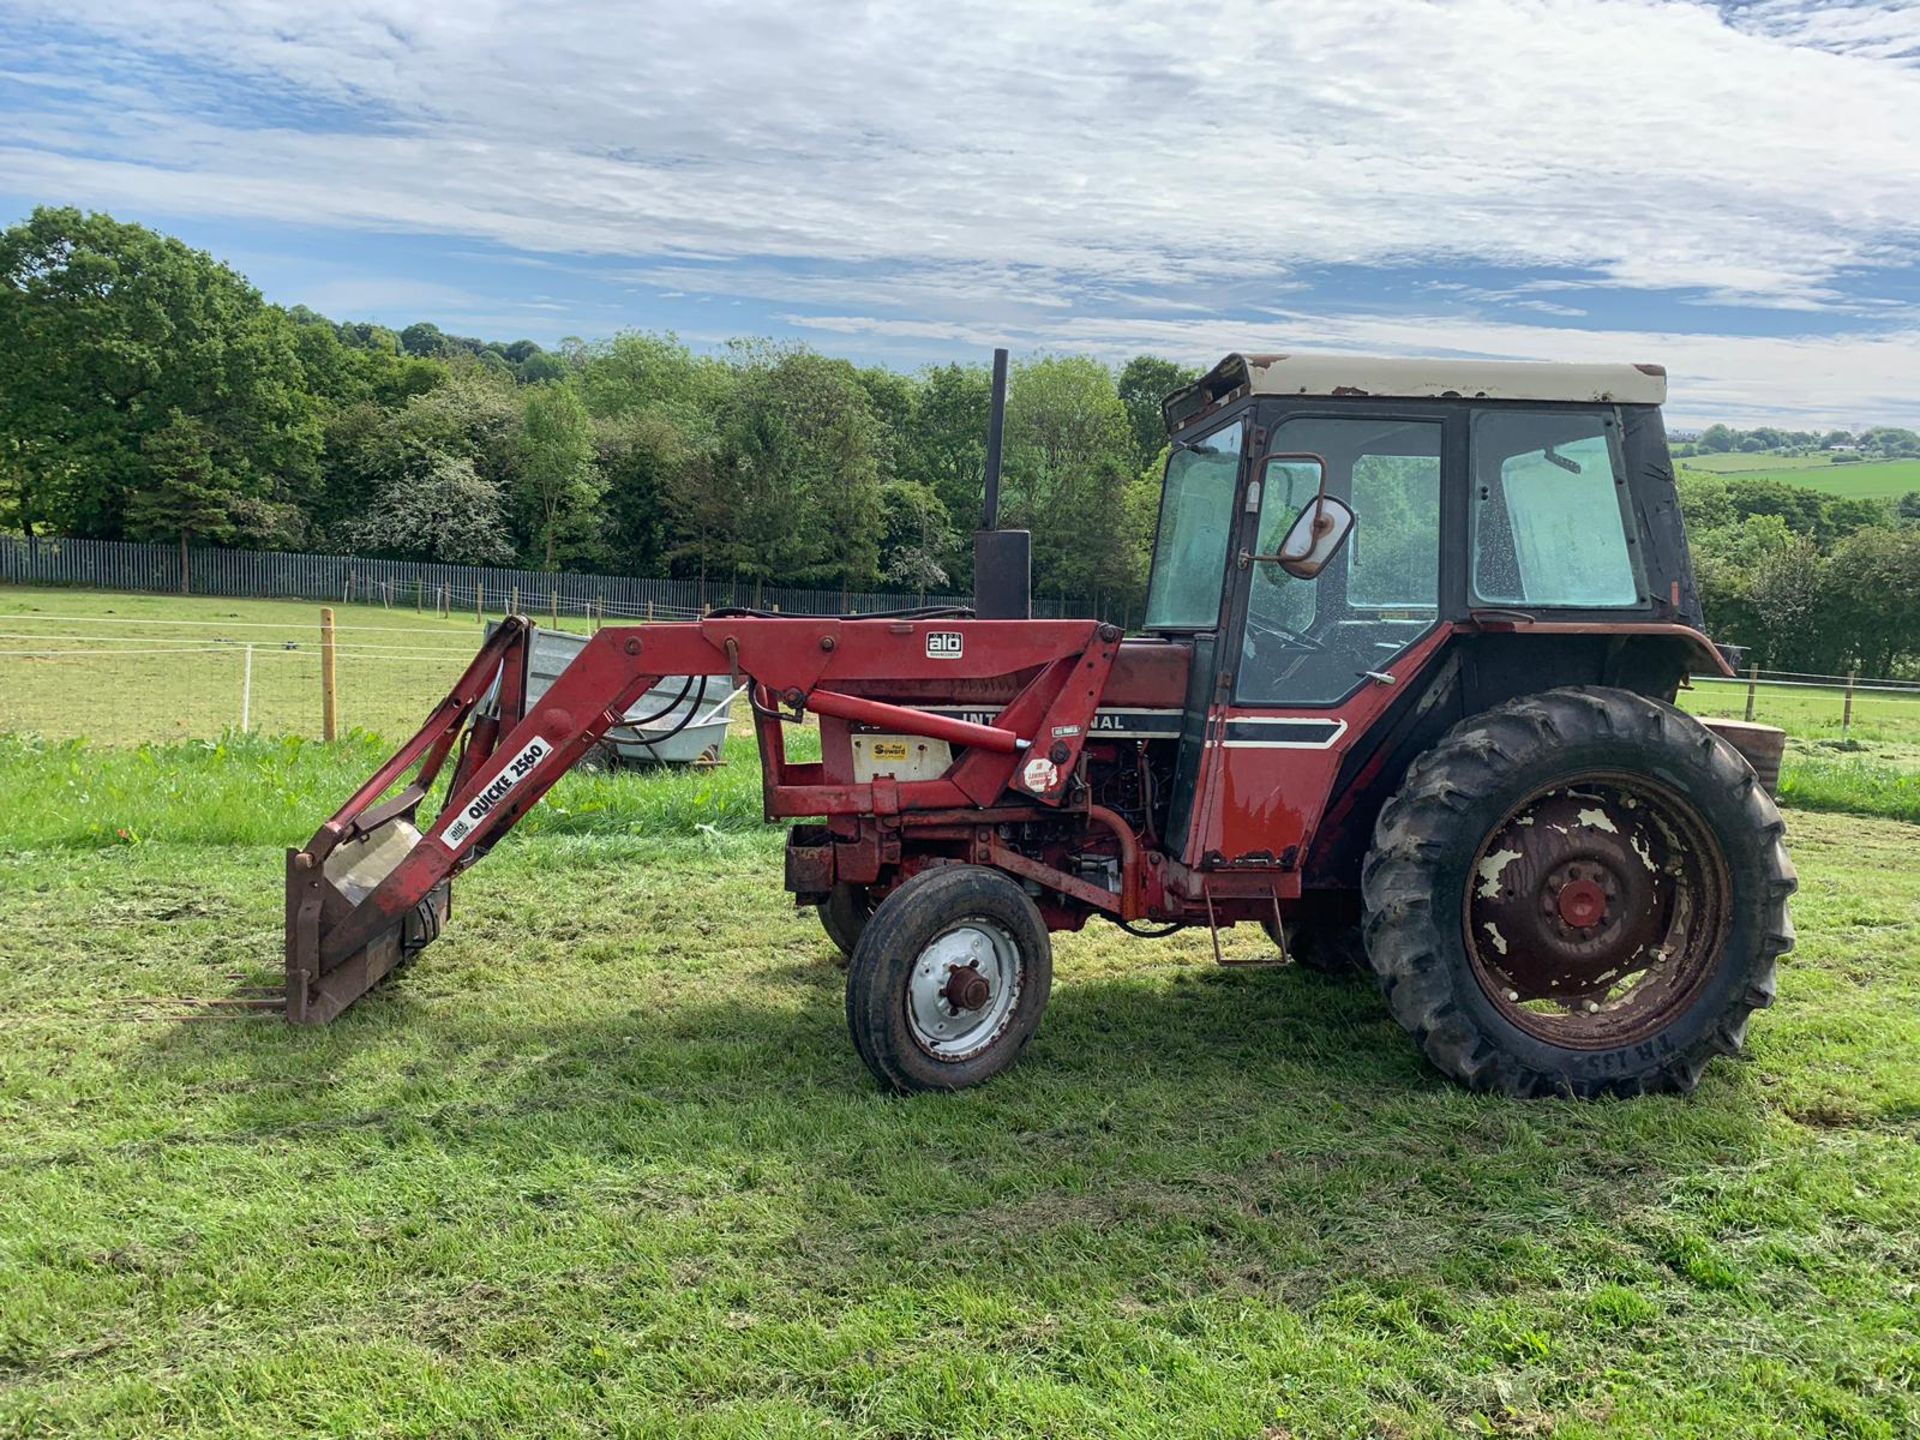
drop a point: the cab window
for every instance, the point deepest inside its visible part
(1196, 516)
(1549, 512)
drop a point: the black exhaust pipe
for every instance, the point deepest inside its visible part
(1002, 559)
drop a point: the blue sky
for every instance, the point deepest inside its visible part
(1730, 189)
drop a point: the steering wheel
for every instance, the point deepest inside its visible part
(1270, 630)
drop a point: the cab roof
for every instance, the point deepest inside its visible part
(1414, 379)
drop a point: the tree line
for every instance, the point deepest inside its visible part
(1876, 442)
(1808, 582)
(151, 393)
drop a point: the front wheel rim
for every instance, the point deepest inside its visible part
(963, 990)
(1596, 911)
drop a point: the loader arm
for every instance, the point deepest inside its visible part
(372, 886)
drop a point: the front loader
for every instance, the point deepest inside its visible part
(1403, 697)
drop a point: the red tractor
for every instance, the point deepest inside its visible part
(1403, 696)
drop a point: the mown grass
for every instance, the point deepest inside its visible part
(603, 1163)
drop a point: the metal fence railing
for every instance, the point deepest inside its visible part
(419, 585)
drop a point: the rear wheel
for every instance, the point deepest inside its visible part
(844, 914)
(948, 980)
(1580, 892)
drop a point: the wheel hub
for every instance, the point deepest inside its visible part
(1585, 910)
(966, 989)
(963, 989)
(1581, 902)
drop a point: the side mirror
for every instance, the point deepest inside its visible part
(1316, 537)
(1320, 529)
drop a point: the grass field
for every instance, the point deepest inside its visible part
(1862, 480)
(131, 668)
(603, 1162)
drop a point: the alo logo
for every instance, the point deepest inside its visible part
(945, 644)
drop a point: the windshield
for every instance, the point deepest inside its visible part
(1196, 515)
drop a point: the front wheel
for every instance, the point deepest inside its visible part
(948, 980)
(1580, 892)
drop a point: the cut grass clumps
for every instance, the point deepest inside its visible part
(602, 1162)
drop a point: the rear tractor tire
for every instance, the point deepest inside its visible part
(843, 915)
(949, 979)
(1581, 892)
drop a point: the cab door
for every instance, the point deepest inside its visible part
(1305, 666)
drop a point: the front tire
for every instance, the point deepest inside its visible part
(949, 979)
(1581, 892)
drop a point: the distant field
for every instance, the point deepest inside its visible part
(1739, 463)
(1869, 480)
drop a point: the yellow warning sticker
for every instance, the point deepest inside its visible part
(889, 749)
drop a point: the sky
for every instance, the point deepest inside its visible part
(1731, 190)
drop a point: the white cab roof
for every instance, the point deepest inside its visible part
(1416, 379)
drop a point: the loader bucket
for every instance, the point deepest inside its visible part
(320, 896)
(365, 893)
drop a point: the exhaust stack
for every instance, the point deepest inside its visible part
(1002, 559)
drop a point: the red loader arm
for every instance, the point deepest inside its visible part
(371, 886)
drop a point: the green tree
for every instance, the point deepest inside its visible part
(189, 495)
(555, 475)
(1872, 579)
(1792, 608)
(1144, 382)
(424, 339)
(944, 447)
(444, 511)
(110, 332)
(802, 456)
(918, 537)
(372, 449)
(1068, 449)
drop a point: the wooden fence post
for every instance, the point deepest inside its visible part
(445, 605)
(246, 692)
(419, 596)
(480, 601)
(553, 601)
(327, 712)
(1753, 687)
(513, 601)
(1846, 714)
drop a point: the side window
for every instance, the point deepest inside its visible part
(1549, 512)
(1312, 642)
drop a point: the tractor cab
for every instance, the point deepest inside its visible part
(1344, 541)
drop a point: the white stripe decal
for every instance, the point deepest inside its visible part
(1333, 731)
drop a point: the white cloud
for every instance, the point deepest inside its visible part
(978, 167)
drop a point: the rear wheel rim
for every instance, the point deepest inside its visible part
(1596, 911)
(963, 989)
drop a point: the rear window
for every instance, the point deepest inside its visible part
(1550, 518)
